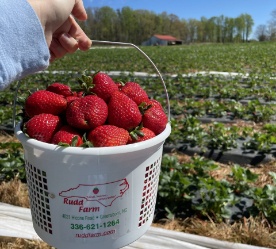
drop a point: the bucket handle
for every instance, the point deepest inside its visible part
(148, 58)
(120, 44)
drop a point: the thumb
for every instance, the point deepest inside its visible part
(79, 11)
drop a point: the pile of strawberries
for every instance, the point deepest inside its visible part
(102, 113)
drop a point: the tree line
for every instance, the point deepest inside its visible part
(267, 32)
(136, 26)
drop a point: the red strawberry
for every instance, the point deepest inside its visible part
(150, 103)
(75, 95)
(43, 126)
(60, 88)
(135, 92)
(108, 135)
(140, 135)
(71, 98)
(123, 111)
(67, 135)
(87, 113)
(104, 86)
(100, 84)
(43, 101)
(119, 84)
(155, 119)
(79, 94)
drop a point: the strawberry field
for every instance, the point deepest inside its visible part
(219, 121)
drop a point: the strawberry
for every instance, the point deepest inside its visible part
(146, 104)
(155, 119)
(139, 135)
(108, 135)
(123, 111)
(60, 88)
(79, 94)
(43, 126)
(135, 92)
(119, 84)
(71, 98)
(87, 113)
(43, 101)
(75, 95)
(100, 84)
(67, 135)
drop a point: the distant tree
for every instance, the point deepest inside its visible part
(229, 29)
(178, 28)
(104, 23)
(202, 31)
(239, 23)
(144, 23)
(165, 23)
(219, 28)
(271, 26)
(261, 33)
(184, 32)
(192, 30)
(126, 18)
(211, 29)
(248, 24)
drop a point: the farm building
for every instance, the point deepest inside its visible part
(162, 40)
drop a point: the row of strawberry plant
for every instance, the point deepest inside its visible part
(225, 87)
(219, 136)
(188, 189)
(11, 161)
(253, 110)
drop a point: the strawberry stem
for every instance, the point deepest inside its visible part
(86, 82)
(136, 133)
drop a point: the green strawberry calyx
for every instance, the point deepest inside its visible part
(86, 142)
(136, 133)
(86, 82)
(144, 107)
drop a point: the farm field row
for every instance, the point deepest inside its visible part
(252, 58)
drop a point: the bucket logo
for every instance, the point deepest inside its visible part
(105, 193)
(96, 191)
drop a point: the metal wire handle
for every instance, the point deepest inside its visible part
(111, 43)
(148, 58)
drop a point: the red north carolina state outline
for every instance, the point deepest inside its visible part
(105, 193)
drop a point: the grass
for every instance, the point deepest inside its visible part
(252, 231)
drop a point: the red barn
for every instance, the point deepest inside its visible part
(162, 40)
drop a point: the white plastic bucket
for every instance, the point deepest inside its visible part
(88, 198)
(92, 197)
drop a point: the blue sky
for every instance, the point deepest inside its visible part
(260, 10)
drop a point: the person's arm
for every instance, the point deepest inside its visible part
(34, 32)
(23, 47)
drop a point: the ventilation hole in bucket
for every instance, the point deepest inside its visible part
(149, 191)
(39, 200)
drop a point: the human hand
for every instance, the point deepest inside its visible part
(62, 32)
